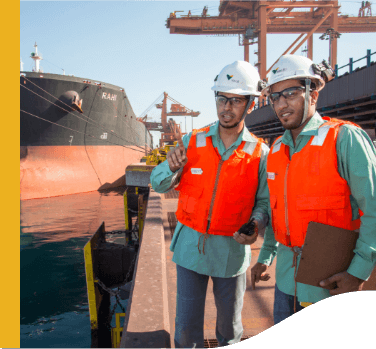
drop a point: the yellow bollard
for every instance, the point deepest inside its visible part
(140, 215)
(116, 332)
(125, 195)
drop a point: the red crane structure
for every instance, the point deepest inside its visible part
(252, 20)
(170, 127)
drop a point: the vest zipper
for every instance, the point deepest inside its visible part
(214, 193)
(285, 197)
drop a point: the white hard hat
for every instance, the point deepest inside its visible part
(240, 78)
(294, 67)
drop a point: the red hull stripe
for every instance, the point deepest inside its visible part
(62, 170)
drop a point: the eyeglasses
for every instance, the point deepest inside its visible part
(289, 93)
(234, 101)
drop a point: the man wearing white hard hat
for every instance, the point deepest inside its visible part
(223, 201)
(321, 170)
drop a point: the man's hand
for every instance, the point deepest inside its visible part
(345, 283)
(177, 157)
(258, 273)
(247, 239)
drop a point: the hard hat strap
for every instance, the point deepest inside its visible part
(306, 100)
(250, 101)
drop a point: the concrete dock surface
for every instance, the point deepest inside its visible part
(257, 314)
(150, 315)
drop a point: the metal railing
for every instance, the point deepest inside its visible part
(336, 69)
(351, 63)
(261, 103)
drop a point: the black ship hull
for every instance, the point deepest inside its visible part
(77, 135)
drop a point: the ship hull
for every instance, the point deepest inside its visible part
(65, 150)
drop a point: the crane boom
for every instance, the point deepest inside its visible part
(168, 128)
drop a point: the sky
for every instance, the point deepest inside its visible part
(126, 43)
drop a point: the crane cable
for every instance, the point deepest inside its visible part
(151, 106)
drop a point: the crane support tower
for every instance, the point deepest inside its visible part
(168, 128)
(252, 20)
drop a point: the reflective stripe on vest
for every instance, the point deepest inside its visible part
(249, 147)
(201, 139)
(320, 138)
(277, 145)
(226, 189)
(317, 140)
(308, 187)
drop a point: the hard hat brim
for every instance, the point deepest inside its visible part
(266, 90)
(235, 91)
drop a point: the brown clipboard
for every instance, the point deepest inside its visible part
(326, 251)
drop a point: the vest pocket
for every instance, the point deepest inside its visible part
(189, 196)
(329, 210)
(231, 215)
(304, 202)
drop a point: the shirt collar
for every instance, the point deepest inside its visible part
(311, 129)
(245, 135)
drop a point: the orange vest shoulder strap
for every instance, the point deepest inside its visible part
(276, 145)
(204, 129)
(258, 139)
(199, 137)
(335, 122)
(278, 139)
(251, 148)
(324, 129)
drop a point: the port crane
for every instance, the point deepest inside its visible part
(252, 20)
(365, 9)
(168, 128)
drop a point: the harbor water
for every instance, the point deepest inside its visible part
(54, 231)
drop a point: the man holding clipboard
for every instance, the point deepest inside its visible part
(321, 170)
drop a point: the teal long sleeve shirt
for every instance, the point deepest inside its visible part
(224, 257)
(357, 165)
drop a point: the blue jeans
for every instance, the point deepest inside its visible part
(284, 305)
(190, 306)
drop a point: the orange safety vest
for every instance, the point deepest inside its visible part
(216, 196)
(308, 187)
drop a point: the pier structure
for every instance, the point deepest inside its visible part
(351, 96)
(251, 21)
(150, 314)
(150, 318)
